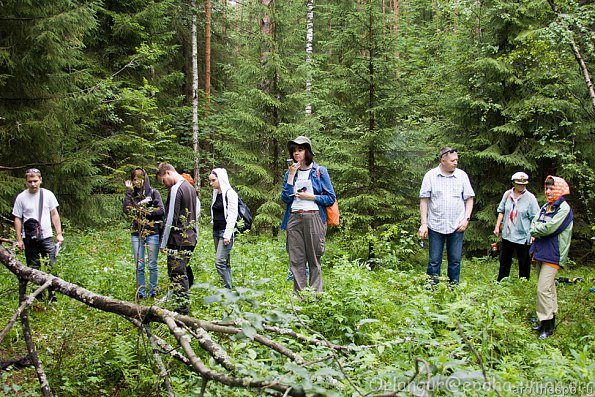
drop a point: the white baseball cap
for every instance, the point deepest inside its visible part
(520, 178)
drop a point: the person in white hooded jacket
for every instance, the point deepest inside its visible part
(224, 215)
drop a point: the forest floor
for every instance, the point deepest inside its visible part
(472, 339)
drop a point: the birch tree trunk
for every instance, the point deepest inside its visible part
(309, 47)
(195, 99)
(207, 55)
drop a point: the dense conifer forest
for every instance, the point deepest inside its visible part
(91, 89)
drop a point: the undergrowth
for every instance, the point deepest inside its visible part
(472, 339)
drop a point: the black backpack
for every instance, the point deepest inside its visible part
(244, 216)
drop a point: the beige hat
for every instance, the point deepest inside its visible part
(301, 141)
(520, 178)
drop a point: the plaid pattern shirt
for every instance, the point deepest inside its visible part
(447, 194)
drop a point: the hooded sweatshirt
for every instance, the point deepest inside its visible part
(230, 202)
(149, 199)
(552, 227)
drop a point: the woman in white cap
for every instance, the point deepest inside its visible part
(515, 213)
(307, 191)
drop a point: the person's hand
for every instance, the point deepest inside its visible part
(423, 231)
(463, 225)
(305, 196)
(293, 168)
(497, 230)
(532, 240)
(59, 238)
(20, 244)
(225, 241)
(128, 184)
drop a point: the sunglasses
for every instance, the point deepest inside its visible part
(447, 151)
(33, 171)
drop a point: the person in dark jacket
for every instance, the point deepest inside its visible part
(180, 232)
(551, 230)
(307, 191)
(143, 204)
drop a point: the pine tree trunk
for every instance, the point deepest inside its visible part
(371, 99)
(396, 10)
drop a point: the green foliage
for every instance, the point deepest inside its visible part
(517, 104)
(388, 316)
(358, 101)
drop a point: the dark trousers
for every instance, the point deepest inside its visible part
(35, 251)
(40, 251)
(507, 249)
(180, 274)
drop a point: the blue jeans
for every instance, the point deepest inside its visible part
(222, 252)
(454, 252)
(138, 250)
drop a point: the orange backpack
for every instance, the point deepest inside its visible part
(332, 211)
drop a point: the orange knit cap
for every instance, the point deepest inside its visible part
(560, 187)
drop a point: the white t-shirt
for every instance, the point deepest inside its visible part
(26, 206)
(302, 181)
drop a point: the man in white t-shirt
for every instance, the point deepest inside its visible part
(26, 207)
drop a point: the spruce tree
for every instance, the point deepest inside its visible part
(42, 101)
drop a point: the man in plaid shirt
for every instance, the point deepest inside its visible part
(446, 202)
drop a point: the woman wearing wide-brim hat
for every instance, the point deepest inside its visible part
(515, 213)
(307, 191)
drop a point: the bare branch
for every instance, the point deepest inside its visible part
(43, 381)
(163, 373)
(25, 166)
(22, 307)
(165, 347)
(145, 314)
(18, 363)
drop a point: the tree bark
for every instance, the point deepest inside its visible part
(207, 55)
(183, 328)
(43, 380)
(309, 48)
(579, 59)
(195, 145)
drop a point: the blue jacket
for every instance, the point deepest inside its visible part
(323, 190)
(552, 229)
